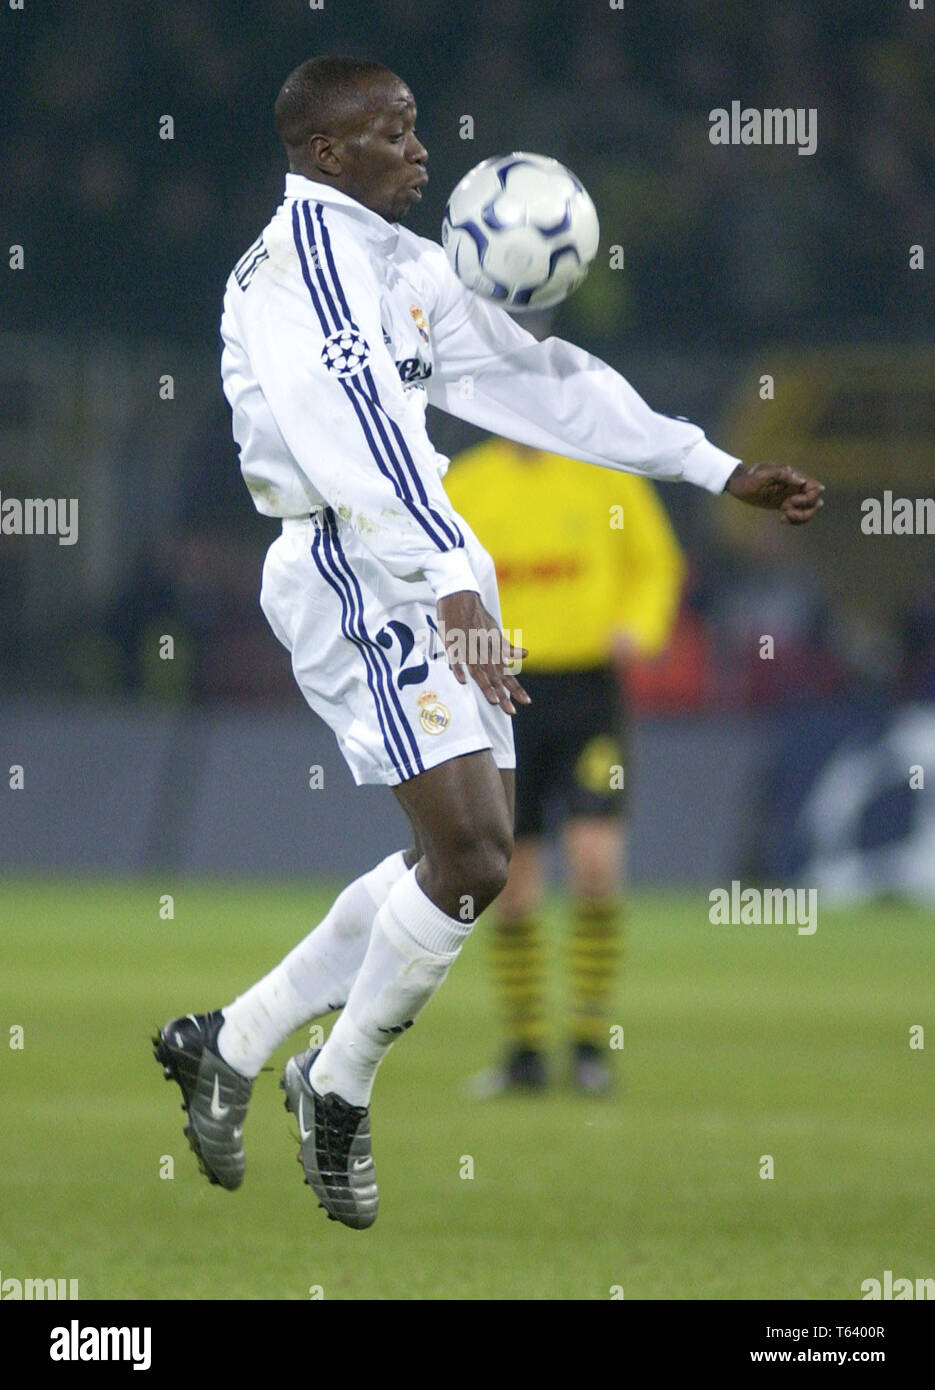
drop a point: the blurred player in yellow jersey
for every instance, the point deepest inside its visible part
(589, 570)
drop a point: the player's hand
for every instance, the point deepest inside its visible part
(476, 646)
(779, 489)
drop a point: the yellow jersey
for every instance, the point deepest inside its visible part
(582, 553)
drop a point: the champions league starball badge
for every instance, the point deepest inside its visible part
(345, 352)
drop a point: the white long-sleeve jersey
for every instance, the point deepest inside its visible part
(339, 327)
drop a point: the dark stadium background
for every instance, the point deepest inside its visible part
(160, 844)
(739, 262)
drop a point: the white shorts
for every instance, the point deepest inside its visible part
(365, 655)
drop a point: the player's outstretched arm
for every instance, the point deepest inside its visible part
(554, 395)
(779, 489)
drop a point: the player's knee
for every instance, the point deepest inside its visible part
(485, 867)
(473, 870)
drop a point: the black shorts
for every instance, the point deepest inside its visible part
(570, 748)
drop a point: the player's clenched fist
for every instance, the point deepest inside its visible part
(779, 489)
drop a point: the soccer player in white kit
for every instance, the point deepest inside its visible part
(338, 326)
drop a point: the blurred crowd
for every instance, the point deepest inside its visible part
(737, 243)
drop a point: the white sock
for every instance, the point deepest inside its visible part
(412, 947)
(313, 979)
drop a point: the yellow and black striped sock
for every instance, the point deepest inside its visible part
(595, 955)
(518, 960)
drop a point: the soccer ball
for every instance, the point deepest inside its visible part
(520, 230)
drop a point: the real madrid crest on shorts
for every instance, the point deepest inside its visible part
(345, 352)
(420, 321)
(433, 715)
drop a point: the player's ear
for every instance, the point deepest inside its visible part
(324, 155)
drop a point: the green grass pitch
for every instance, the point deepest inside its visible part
(739, 1042)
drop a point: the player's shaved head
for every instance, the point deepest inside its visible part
(350, 124)
(321, 96)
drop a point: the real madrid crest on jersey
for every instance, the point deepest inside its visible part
(433, 715)
(420, 321)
